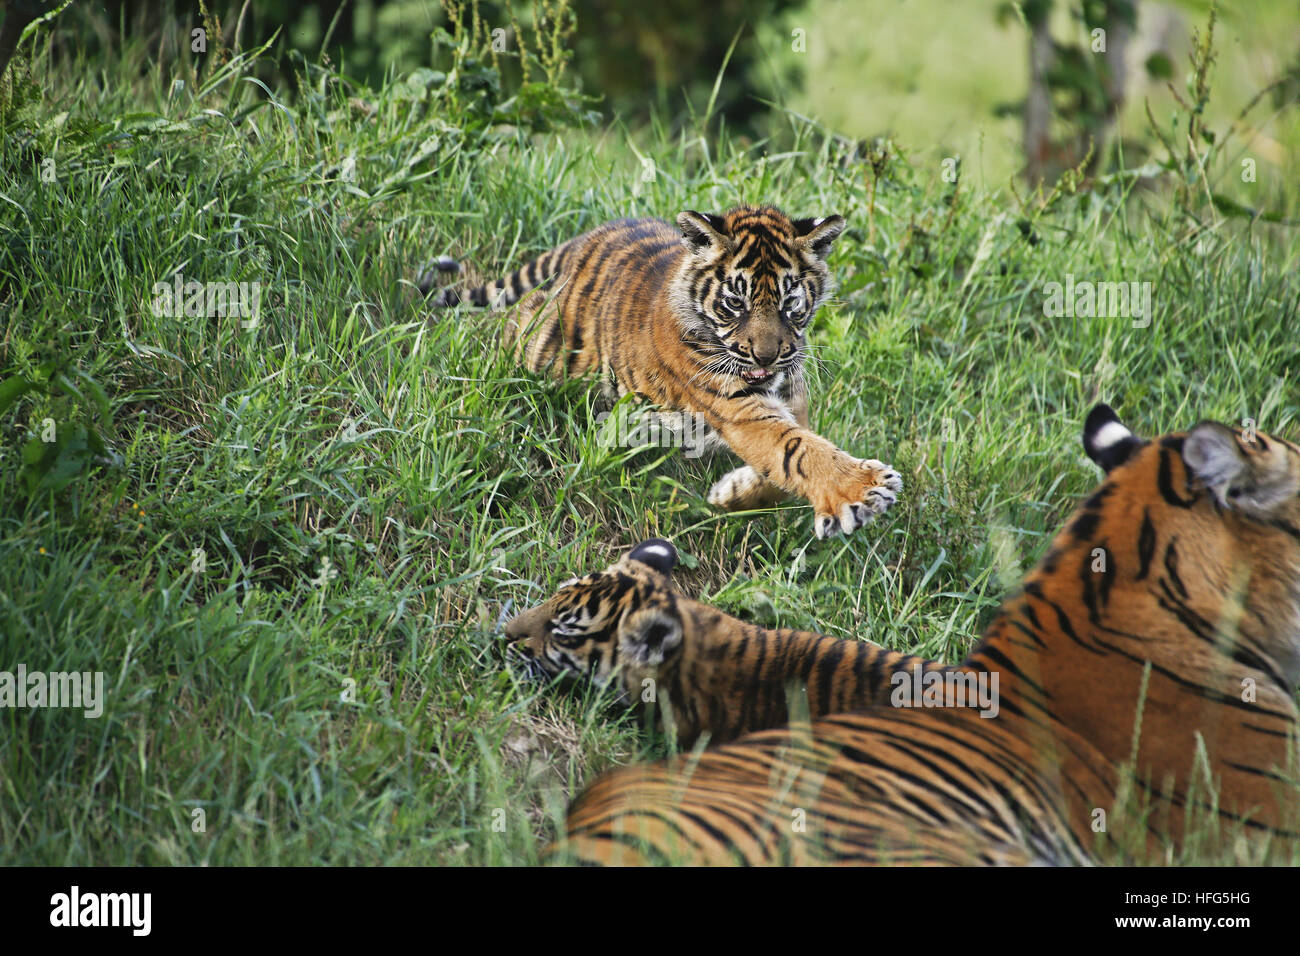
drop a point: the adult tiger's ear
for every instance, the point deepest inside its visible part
(702, 231)
(1253, 477)
(1107, 440)
(819, 234)
(657, 553)
(648, 636)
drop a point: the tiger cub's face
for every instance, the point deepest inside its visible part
(750, 285)
(621, 623)
(1209, 520)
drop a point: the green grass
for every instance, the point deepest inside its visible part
(443, 485)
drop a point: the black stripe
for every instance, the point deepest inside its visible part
(1165, 481)
(645, 847)
(1109, 574)
(548, 339)
(593, 249)
(575, 345)
(1171, 567)
(791, 447)
(1286, 527)
(1029, 633)
(704, 825)
(1089, 588)
(1085, 525)
(826, 667)
(1146, 545)
(1004, 663)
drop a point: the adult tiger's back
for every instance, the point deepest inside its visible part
(1168, 607)
(707, 321)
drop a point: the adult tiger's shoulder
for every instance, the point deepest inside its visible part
(707, 321)
(702, 671)
(1158, 638)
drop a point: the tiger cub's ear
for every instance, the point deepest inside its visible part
(1252, 477)
(1107, 440)
(702, 231)
(818, 234)
(657, 553)
(648, 636)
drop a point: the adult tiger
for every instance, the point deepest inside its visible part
(706, 321)
(1159, 637)
(700, 670)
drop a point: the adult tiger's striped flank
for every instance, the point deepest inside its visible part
(1159, 637)
(705, 320)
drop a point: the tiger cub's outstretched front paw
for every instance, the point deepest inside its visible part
(856, 498)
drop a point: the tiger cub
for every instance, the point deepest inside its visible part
(1159, 637)
(703, 671)
(706, 321)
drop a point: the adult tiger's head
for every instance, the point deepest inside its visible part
(623, 620)
(1205, 522)
(750, 285)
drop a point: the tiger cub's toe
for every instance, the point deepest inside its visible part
(888, 477)
(872, 491)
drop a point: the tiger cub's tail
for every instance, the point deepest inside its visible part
(498, 293)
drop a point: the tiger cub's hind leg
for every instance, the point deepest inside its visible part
(534, 333)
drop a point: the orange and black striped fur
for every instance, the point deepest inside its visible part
(1158, 637)
(707, 322)
(702, 671)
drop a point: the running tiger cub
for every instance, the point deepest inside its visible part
(706, 320)
(705, 671)
(1169, 606)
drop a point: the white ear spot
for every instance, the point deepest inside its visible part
(818, 222)
(1112, 433)
(656, 550)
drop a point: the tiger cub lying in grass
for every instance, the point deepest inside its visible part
(1148, 670)
(707, 322)
(703, 671)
